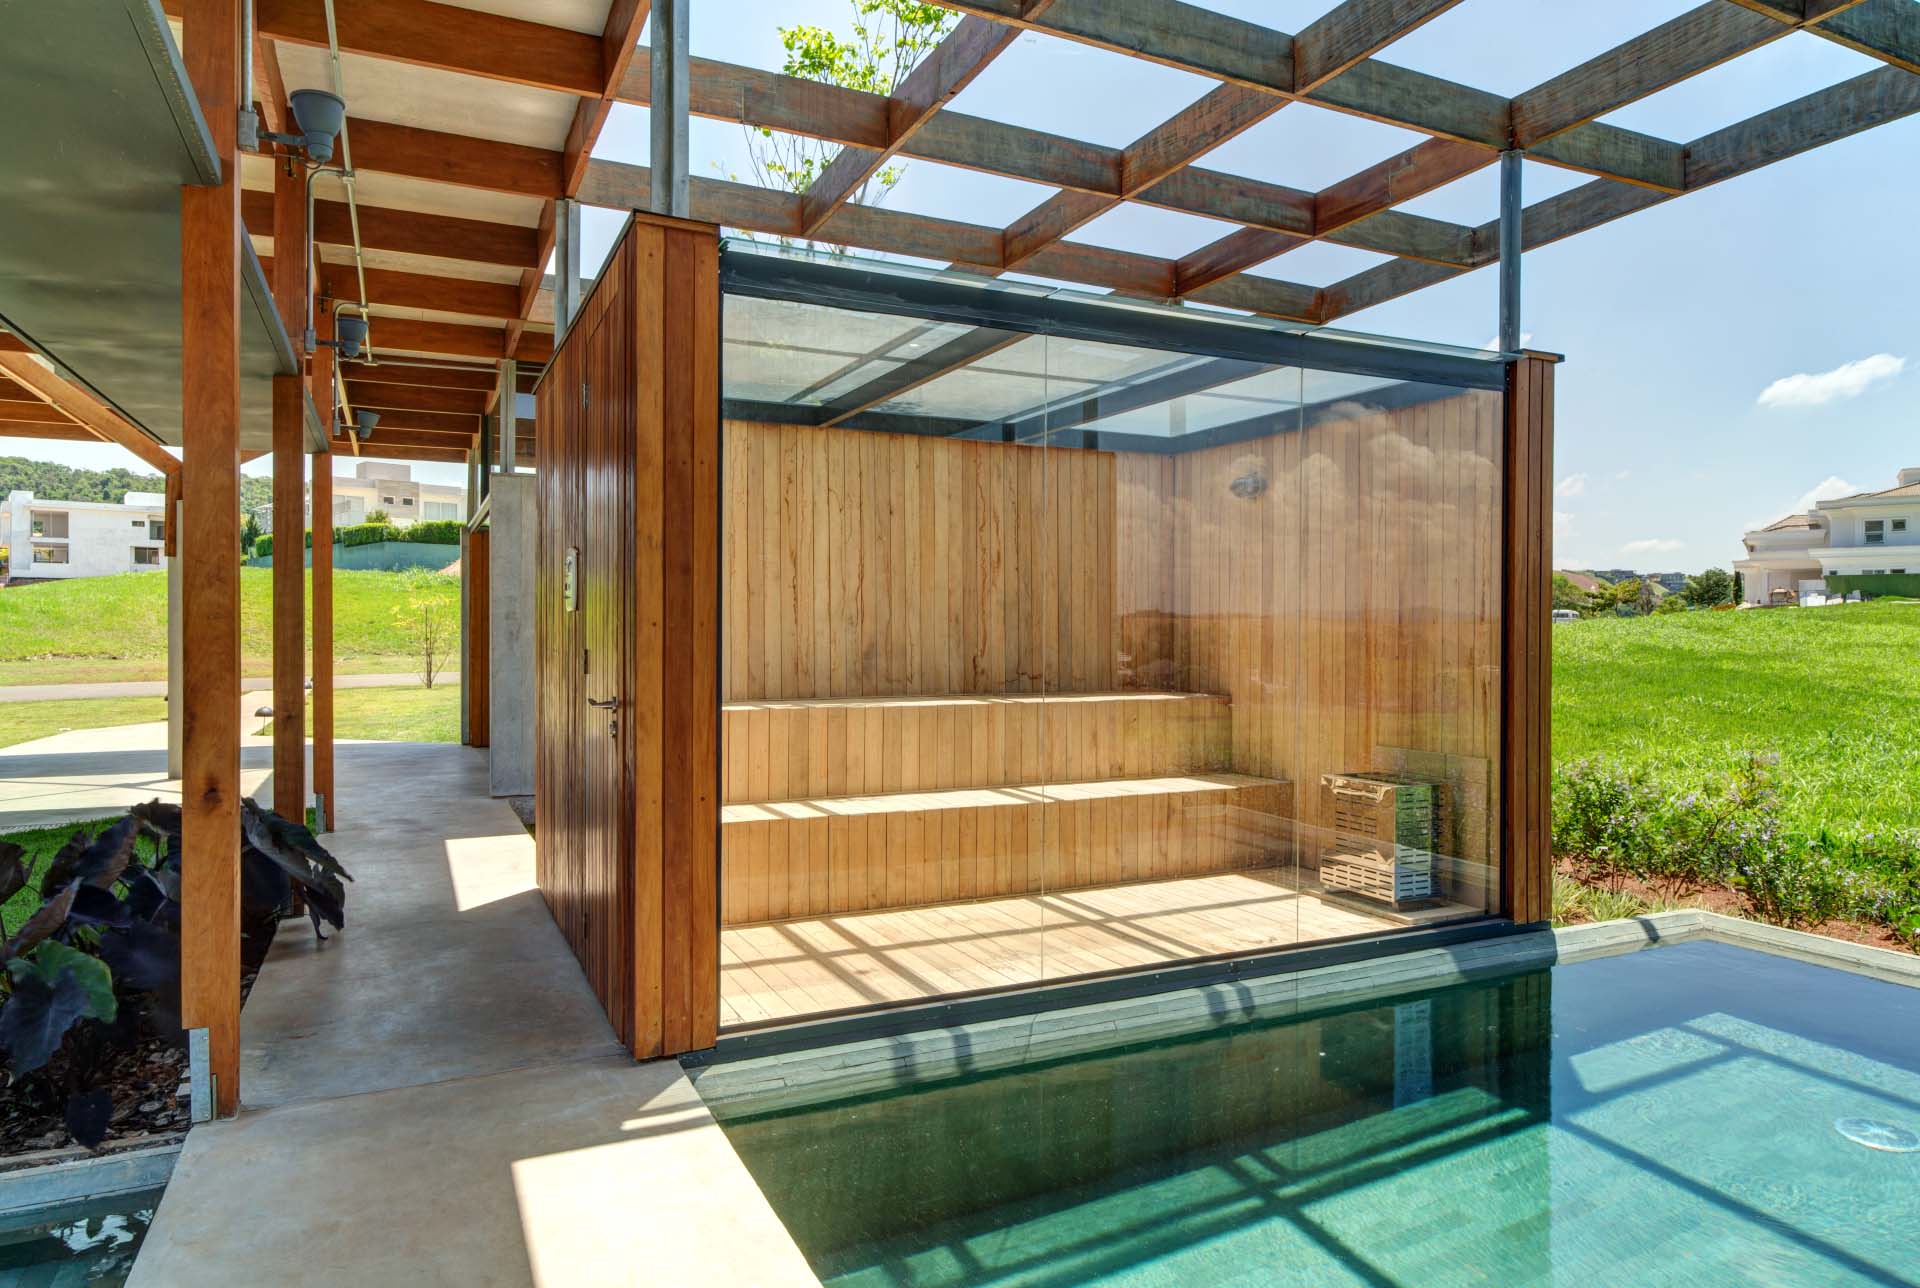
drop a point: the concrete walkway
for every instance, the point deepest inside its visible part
(158, 688)
(89, 773)
(434, 1097)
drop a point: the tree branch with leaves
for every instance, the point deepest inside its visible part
(883, 43)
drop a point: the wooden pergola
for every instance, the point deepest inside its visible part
(469, 145)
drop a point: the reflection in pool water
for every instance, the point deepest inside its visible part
(1665, 1117)
(75, 1243)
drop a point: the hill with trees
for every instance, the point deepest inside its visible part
(52, 482)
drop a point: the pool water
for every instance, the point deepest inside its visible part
(89, 1243)
(1678, 1115)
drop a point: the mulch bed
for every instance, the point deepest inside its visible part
(148, 1082)
(1729, 903)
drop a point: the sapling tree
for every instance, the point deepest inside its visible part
(882, 43)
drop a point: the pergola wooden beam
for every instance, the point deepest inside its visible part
(1824, 116)
(1356, 30)
(931, 85)
(458, 159)
(408, 232)
(618, 42)
(1885, 29)
(382, 395)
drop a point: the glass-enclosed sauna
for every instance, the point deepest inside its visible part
(1067, 635)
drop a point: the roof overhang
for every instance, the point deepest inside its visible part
(105, 132)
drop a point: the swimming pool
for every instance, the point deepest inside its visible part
(89, 1242)
(1698, 1113)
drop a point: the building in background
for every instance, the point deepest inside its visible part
(1858, 535)
(50, 540)
(386, 486)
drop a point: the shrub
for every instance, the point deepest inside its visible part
(96, 970)
(435, 532)
(1790, 883)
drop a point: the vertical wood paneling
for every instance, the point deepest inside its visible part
(1525, 772)
(864, 565)
(630, 475)
(476, 670)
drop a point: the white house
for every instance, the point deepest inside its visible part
(384, 486)
(1869, 532)
(57, 539)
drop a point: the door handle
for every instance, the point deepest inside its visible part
(604, 704)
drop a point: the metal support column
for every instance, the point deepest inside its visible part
(1510, 217)
(506, 405)
(566, 262)
(667, 115)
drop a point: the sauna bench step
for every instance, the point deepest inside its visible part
(901, 849)
(788, 749)
(1200, 785)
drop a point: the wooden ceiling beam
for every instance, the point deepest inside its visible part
(64, 431)
(382, 394)
(421, 375)
(269, 87)
(1356, 30)
(456, 159)
(618, 42)
(962, 55)
(32, 411)
(423, 291)
(432, 422)
(405, 231)
(81, 406)
(374, 450)
(447, 37)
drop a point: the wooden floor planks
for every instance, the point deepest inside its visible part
(786, 969)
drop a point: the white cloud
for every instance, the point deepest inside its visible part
(1562, 523)
(1623, 476)
(1848, 380)
(1572, 485)
(1832, 487)
(1652, 546)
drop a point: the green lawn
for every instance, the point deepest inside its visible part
(1833, 691)
(41, 844)
(25, 721)
(413, 714)
(115, 628)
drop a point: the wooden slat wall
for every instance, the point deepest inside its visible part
(1525, 757)
(475, 668)
(1351, 607)
(866, 565)
(791, 750)
(628, 825)
(1341, 586)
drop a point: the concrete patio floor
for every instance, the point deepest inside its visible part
(88, 773)
(434, 1097)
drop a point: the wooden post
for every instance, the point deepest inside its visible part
(1525, 674)
(476, 666)
(289, 503)
(322, 488)
(210, 231)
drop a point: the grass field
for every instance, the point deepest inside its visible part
(1832, 690)
(415, 714)
(115, 628)
(25, 721)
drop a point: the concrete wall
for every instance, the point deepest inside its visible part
(514, 522)
(100, 538)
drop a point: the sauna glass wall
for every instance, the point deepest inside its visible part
(1047, 656)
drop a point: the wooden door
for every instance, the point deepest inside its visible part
(628, 790)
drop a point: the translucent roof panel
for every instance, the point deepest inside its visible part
(780, 352)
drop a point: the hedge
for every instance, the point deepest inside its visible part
(1885, 583)
(432, 532)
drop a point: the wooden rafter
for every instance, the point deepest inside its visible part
(950, 68)
(1874, 98)
(1332, 63)
(81, 407)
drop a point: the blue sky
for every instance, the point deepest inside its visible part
(1674, 321)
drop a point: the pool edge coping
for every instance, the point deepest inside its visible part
(61, 1181)
(862, 1066)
